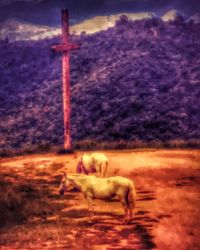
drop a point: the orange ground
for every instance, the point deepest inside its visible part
(168, 203)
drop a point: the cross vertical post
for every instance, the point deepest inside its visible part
(65, 47)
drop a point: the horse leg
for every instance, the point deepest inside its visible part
(131, 210)
(98, 169)
(122, 199)
(104, 168)
(130, 213)
(90, 205)
(70, 186)
(79, 167)
(125, 210)
(101, 170)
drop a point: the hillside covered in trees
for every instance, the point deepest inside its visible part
(139, 80)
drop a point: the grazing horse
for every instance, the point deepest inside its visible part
(93, 163)
(103, 188)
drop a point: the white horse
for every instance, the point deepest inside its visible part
(103, 188)
(93, 163)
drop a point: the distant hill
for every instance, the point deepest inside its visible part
(139, 80)
(99, 23)
(17, 30)
(171, 15)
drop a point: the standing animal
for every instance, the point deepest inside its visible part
(93, 163)
(103, 188)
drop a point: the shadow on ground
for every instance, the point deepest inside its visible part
(34, 216)
(36, 195)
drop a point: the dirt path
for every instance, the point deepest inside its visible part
(168, 203)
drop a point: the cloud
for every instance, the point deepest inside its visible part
(8, 2)
(47, 12)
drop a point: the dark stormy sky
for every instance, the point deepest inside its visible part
(47, 12)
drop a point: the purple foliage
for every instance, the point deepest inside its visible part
(137, 80)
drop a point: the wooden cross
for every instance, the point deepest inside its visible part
(65, 48)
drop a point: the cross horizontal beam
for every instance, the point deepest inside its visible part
(64, 47)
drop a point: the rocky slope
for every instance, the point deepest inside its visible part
(139, 80)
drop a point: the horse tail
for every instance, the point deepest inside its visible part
(130, 199)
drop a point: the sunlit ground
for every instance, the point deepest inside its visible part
(34, 216)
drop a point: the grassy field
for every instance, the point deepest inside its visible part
(34, 216)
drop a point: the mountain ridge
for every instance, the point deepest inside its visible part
(16, 30)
